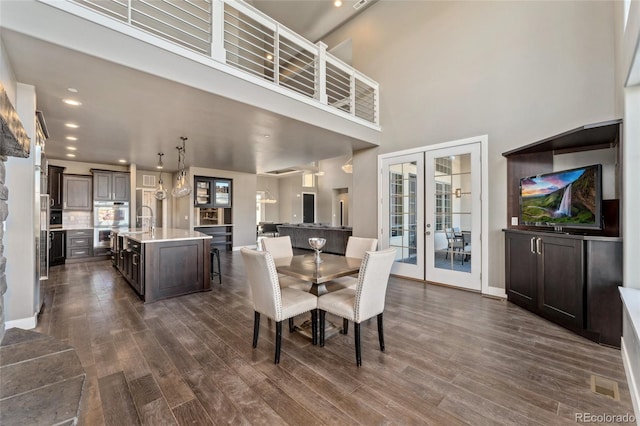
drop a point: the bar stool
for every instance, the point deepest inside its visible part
(214, 256)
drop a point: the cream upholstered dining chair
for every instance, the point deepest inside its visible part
(281, 247)
(366, 301)
(356, 247)
(272, 301)
(278, 246)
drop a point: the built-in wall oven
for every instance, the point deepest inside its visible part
(107, 216)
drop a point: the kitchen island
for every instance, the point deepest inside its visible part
(165, 263)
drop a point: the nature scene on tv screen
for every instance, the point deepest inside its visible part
(565, 197)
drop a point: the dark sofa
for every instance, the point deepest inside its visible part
(300, 233)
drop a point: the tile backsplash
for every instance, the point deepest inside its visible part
(77, 219)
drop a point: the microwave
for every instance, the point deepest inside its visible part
(55, 219)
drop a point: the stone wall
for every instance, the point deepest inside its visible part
(4, 211)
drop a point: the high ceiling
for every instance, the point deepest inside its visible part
(312, 19)
(131, 115)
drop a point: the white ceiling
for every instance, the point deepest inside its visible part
(132, 115)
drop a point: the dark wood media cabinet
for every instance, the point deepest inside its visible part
(569, 278)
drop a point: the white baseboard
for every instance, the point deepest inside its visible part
(24, 323)
(494, 292)
(633, 386)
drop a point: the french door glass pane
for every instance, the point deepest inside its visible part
(452, 201)
(403, 211)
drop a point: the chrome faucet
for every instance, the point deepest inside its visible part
(152, 225)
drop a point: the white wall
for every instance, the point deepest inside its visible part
(82, 168)
(20, 233)
(517, 71)
(290, 190)
(333, 178)
(272, 211)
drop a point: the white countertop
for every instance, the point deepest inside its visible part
(162, 235)
(212, 226)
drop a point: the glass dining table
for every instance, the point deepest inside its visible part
(304, 267)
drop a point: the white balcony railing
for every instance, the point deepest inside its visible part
(235, 33)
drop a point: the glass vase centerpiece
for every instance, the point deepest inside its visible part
(317, 244)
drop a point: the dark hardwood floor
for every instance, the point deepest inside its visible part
(452, 357)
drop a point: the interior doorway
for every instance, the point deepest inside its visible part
(308, 207)
(340, 207)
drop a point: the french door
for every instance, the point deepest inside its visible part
(403, 213)
(453, 216)
(431, 213)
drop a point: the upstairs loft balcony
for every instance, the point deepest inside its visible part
(248, 43)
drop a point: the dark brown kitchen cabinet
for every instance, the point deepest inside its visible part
(54, 184)
(545, 274)
(571, 280)
(110, 186)
(203, 196)
(159, 270)
(76, 192)
(212, 192)
(132, 264)
(57, 240)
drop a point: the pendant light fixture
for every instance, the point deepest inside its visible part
(267, 199)
(160, 193)
(348, 166)
(182, 187)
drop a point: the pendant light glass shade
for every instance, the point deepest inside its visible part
(182, 188)
(348, 166)
(267, 199)
(160, 193)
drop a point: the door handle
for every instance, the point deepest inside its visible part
(533, 250)
(538, 246)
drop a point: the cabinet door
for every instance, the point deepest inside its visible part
(77, 192)
(203, 190)
(137, 280)
(121, 186)
(102, 189)
(561, 280)
(56, 248)
(521, 269)
(222, 193)
(55, 187)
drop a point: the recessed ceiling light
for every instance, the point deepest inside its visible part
(122, 161)
(269, 56)
(337, 3)
(71, 125)
(72, 148)
(71, 138)
(72, 90)
(267, 136)
(72, 102)
(71, 155)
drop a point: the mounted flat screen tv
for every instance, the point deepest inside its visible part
(563, 199)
